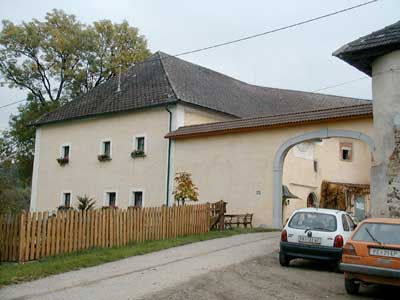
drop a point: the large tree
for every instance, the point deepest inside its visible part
(56, 60)
(60, 57)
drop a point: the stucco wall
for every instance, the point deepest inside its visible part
(84, 174)
(300, 177)
(200, 116)
(238, 167)
(386, 95)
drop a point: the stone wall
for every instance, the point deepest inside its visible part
(393, 176)
(386, 95)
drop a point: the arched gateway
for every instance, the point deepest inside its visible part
(285, 147)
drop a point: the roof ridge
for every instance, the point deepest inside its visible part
(164, 55)
(159, 53)
(312, 93)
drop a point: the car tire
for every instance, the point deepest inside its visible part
(352, 287)
(284, 259)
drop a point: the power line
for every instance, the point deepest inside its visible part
(340, 84)
(356, 79)
(276, 29)
(13, 103)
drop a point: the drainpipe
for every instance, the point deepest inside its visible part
(169, 155)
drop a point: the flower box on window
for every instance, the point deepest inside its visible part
(65, 208)
(134, 207)
(103, 157)
(110, 207)
(62, 160)
(137, 153)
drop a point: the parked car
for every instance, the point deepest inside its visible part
(315, 233)
(372, 254)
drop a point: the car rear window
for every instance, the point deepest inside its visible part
(377, 232)
(313, 221)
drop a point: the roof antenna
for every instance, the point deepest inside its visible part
(119, 78)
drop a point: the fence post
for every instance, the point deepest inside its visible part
(22, 227)
(221, 215)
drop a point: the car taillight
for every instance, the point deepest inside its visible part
(284, 235)
(349, 249)
(338, 243)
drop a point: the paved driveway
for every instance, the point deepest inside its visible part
(139, 276)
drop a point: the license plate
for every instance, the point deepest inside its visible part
(309, 240)
(384, 252)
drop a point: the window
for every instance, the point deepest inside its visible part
(106, 149)
(66, 199)
(345, 224)
(139, 146)
(111, 199)
(351, 222)
(313, 221)
(65, 155)
(346, 151)
(140, 143)
(384, 233)
(137, 199)
(65, 151)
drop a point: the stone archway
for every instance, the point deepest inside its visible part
(285, 147)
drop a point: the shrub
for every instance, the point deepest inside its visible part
(85, 203)
(185, 189)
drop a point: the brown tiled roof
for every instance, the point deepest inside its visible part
(163, 79)
(363, 51)
(292, 119)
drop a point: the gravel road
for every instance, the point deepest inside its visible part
(239, 267)
(138, 276)
(263, 278)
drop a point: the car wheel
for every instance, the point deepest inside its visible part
(352, 288)
(284, 260)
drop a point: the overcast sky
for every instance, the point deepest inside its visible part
(299, 58)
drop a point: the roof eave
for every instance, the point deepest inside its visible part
(363, 59)
(178, 134)
(168, 102)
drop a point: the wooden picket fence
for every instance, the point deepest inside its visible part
(30, 236)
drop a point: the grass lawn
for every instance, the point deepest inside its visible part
(14, 272)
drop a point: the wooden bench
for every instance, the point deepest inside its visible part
(239, 219)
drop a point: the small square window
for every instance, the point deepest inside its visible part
(346, 154)
(137, 198)
(111, 198)
(106, 148)
(140, 144)
(346, 151)
(66, 199)
(65, 151)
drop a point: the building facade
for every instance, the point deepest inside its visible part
(122, 144)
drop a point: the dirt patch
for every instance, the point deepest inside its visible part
(264, 278)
